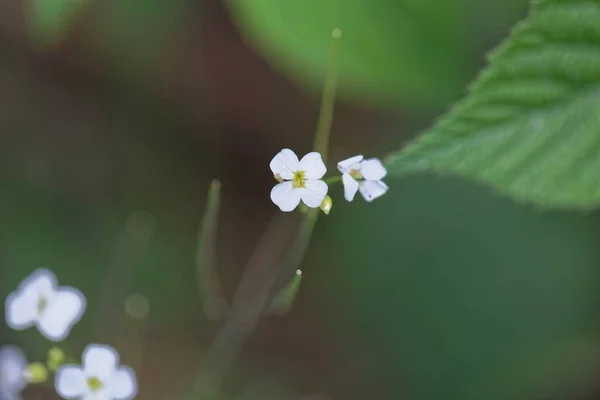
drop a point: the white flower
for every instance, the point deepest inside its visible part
(363, 175)
(99, 378)
(40, 302)
(301, 180)
(12, 372)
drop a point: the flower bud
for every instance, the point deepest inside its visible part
(326, 205)
(36, 373)
(56, 357)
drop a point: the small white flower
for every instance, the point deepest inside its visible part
(301, 180)
(99, 378)
(40, 302)
(363, 175)
(12, 372)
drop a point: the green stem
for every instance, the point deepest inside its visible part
(248, 304)
(295, 254)
(333, 179)
(215, 305)
(323, 132)
(298, 250)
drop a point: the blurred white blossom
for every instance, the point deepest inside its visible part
(300, 180)
(13, 365)
(364, 176)
(99, 378)
(40, 302)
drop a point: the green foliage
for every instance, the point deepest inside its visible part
(49, 20)
(530, 126)
(389, 48)
(443, 291)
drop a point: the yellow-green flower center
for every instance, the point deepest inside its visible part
(94, 384)
(299, 181)
(356, 174)
(42, 305)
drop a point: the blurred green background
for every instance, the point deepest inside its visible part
(116, 115)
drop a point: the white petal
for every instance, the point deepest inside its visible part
(372, 169)
(5, 395)
(285, 196)
(346, 165)
(350, 187)
(100, 361)
(371, 190)
(65, 310)
(21, 306)
(313, 166)
(101, 394)
(285, 163)
(21, 309)
(42, 280)
(12, 366)
(123, 385)
(70, 382)
(313, 193)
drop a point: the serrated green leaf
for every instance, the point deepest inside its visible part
(530, 126)
(390, 49)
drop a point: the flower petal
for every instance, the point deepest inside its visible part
(100, 361)
(346, 165)
(21, 309)
(12, 366)
(42, 280)
(123, 385)
(101, 394)
(65, 310)
(313, 193)
(285, 196)
(285, 163)
(371, 190)
(350, 187)
(313, 166)
(372, 169)
(70, 382)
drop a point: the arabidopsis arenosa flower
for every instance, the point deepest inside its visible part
(300, 180)
(99, 378)
(364, 176)
(12, 372)
(40, 302)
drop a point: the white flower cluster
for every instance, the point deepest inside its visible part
(301, 180)
(54, 310)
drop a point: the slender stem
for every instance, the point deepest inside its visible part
(333, 179)
(295, 255)
(321, 145)
(215, 305)
(270, 266)
(323, 132)
(133, 337)
(128, 251)
(250, 299)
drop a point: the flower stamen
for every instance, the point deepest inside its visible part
(299, 181)
(42, 305)
(356, 174)
(94, 384)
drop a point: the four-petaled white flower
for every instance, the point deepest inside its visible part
(99, 378)
(40, 302)
(363, 175)
(12, 372)
(300, 180)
